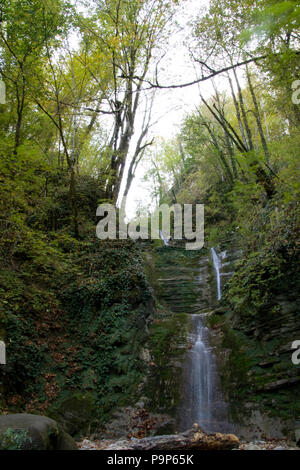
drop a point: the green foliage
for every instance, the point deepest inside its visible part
(167, 344)
(73, 310)
(276, 17)
(74, 320)
(273, 265)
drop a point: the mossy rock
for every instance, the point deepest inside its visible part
(76, 413)
(33, 432)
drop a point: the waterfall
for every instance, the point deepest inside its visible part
(185, 286)
(217, 266)
(202, 397)
(165, 240)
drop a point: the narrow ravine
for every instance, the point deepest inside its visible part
(183, 388)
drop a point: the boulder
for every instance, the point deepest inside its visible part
(75, 413)
(32, 432)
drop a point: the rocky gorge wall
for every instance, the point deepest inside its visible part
(105, 345)
(74, 338)
(253, 352)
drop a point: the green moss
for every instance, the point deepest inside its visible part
(167, 344)
(75, 413)
(235, 377)
(244, 379)
(80, 332)
(169, 331)
(14, 439)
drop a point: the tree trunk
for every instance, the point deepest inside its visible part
(244, 114)
(258, 119)
(222, 158)
(73, 202)
(238, 113)
(20, 109)
(231, 155)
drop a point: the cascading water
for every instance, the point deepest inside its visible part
(165, 240)
(203, 402)
(200, 374)
(217, 266)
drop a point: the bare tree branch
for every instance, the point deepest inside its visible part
(213, 74)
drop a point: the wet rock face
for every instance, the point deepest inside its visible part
(174, 275)
(135, 422)
(253, 348)
(255, 355)
(268, 337)
(181, 280)
(181, 287)
(32, 432)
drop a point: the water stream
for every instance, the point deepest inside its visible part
(198, 377)
(203, 401)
